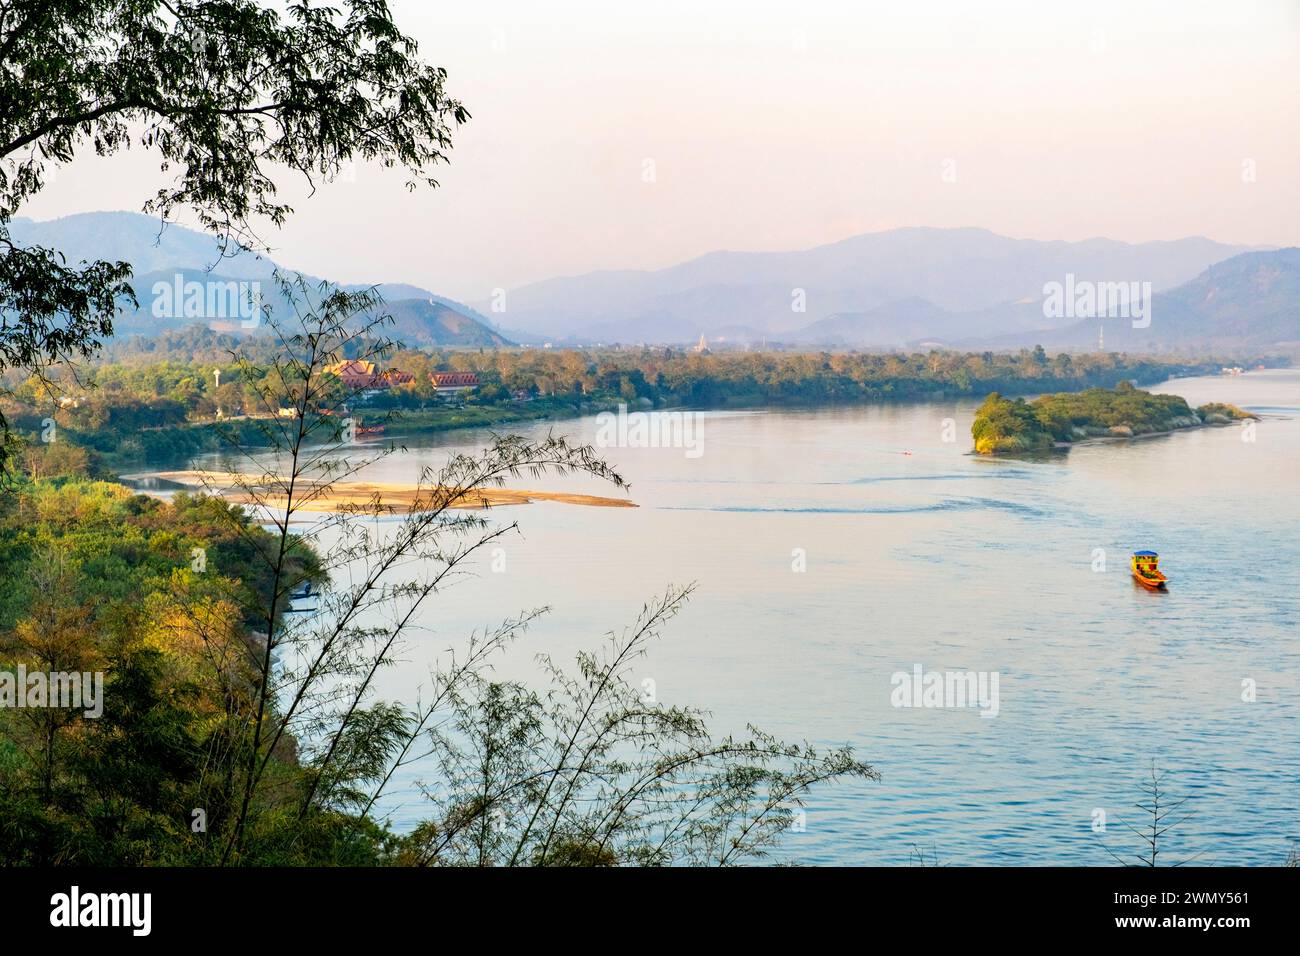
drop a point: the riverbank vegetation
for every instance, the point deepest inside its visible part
(1011, 426)
(159, 402)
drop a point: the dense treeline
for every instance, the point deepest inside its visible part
(153, 400)
(159, 598)
(177, 364)
(782, 378)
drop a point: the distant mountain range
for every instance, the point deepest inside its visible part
(1251, 301)
(886, 289)
(905, 288)
(157, 257)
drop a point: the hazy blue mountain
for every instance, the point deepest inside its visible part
(958, 271)
(198, 297)
(913, 321)
(463, 309)
(895, 324)
(225, 303)
(137, 239)
(1250, 302)
(424, 322)
(158, 257)
(666, 327)
(881, 290)
(391, 291)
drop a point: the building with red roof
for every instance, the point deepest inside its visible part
(451, 383)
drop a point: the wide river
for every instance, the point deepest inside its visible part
(919, 554)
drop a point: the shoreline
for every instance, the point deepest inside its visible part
(1105, 439)
(1109, 439)
(357, 497)
(403, 427)
(422, 424)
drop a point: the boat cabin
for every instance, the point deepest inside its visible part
(1146, 561)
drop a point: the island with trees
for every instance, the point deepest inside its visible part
(1005, 426)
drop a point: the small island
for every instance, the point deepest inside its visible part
(1006, 426)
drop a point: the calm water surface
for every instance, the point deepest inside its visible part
(945, 560)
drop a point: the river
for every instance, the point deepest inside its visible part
(916, 553)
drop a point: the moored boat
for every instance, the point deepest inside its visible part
(1146, 570)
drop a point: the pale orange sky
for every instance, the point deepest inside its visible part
(786, 125)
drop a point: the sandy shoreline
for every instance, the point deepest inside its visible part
(362, 496)
(1104, 439)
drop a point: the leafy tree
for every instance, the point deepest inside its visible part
(54, 636)
(591, 774)
(1003, 425)
(55, 459)
(222, 91)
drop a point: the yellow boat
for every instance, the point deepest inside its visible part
(1146, 570)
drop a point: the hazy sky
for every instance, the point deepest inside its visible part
(636, 135)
